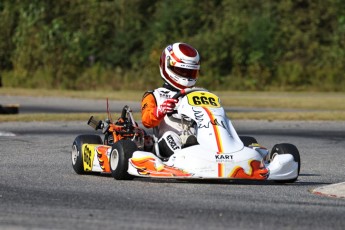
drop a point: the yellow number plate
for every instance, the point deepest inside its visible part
(88, 155)
(203, 99)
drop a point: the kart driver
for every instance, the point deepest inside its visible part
(179, 67)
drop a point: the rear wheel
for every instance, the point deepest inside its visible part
(77, 155)
(248, 140)
(120, 153)
(286, 148)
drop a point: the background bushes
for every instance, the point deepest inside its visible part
(244, 45)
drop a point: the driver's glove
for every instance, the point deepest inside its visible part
(167, 107)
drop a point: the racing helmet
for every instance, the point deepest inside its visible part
(179, 65)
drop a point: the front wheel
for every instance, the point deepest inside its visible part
(285, 148)
(77, 155)
(120, 153)
(248, 140)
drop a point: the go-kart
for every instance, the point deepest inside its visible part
(218, 152)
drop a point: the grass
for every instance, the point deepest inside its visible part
(92, 94)
(315, 105)
(271, 116)
(285, 100)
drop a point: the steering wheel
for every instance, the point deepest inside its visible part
(184, 92)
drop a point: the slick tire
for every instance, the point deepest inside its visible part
(77, 155)
(248, 140)
(285, 148)
(120, 153)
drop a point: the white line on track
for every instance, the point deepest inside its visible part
(333, 190)
(7, 134)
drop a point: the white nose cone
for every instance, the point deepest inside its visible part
(283, 167)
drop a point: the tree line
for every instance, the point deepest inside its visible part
(116, 44)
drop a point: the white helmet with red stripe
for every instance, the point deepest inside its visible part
(179, 65)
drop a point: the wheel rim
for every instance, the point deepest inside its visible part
(114, 159)
(75, 154)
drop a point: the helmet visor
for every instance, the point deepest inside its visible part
(186, 73)
(189, 71)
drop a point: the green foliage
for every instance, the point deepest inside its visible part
(116, 44)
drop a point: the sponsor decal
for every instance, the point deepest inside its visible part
(220, 158)
(198, 115)
(172, 142)
(172, 62)
(189, 66)
(215, 122)
(169, 48)
(164, 94)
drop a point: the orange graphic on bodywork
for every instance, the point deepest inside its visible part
(216, 131)
(220, 170)
(147, 166)
(102, 158)
(256, 172)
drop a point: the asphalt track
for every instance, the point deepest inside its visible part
(28, 104)
(40, 190)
